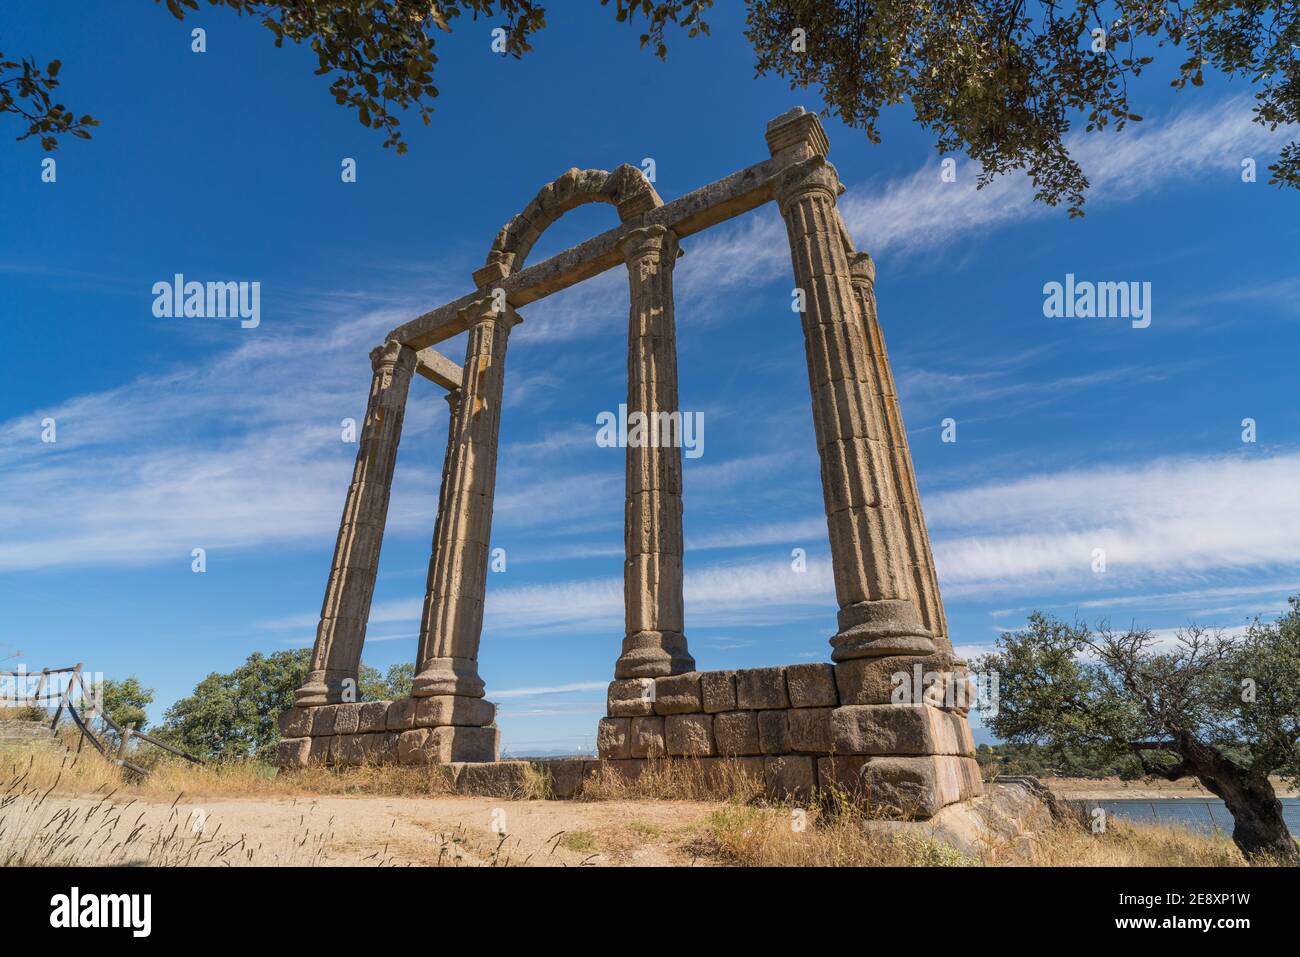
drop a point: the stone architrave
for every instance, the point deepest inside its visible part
(341, 633)
(919, 557)
(452, 621)
(878, 614)
(654, 644)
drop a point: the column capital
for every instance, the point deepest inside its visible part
(488, 309)
(657, 241)
(814, 174)
(797, 134)
(393, 356)
(862, 270)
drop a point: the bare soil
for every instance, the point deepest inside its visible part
(470, 831)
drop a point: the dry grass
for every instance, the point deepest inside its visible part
(41, 830)
(743, 831)
(88, 773)
(832, 835)
(681, 779)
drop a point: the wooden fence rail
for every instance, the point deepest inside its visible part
(84, 721)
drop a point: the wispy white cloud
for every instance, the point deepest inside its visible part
(1166, 520)
(923, 212)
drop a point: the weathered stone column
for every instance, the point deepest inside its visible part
(877, 615)
(453, 402)
(342, 629)
(654, 644)
(453, 605)
(920, 559)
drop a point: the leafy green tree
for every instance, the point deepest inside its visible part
(125, 701)
(398, 681)
(1224, 711)
(235, 716)
(1001, 80)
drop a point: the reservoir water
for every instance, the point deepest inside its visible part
(1200, 814)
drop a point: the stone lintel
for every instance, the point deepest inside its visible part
(707, 206)
(438, 369)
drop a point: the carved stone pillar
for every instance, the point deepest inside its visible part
(452, 621)
(920, 559)
(654, 644)
(453, 403)
(878, 615)
(342, 629)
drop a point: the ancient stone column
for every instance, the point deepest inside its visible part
(452, 621)
(342, 629)
(878, 615)
(654, 644)
(919, 558)
(453, 403)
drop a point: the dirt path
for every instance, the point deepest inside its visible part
(367, 830)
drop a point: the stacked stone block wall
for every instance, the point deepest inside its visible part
(891, 729)
(437, 730)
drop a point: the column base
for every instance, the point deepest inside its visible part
(448, 676)
(878, 628)
(654, 654)
(323, 687)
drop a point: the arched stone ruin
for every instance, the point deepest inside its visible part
(799, 727)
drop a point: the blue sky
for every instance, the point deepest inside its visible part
(1072, 434)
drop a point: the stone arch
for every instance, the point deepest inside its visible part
(626, 189)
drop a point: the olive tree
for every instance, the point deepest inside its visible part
(1223, 710)
(1002, 80)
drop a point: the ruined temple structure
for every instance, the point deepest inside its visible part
(799, 727)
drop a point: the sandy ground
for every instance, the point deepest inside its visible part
(1103, 789)
(395, 831)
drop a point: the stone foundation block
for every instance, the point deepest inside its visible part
(613, 738)
(647, 737)
(447, 710)
(874, 680)
(320, 749)
(347, 718)
(773, 732)
(505, 779)
(689, 734)
(758, 689)
(902, 729)
(962, 733)
(379, 748)
(323, 720)
(372, 716)
(790, 777)
(971, 778)
(916, 787)
(414, 746)
(811, 686)
(348, 750)
(565, 776)
(678, 694)
(629, 769)
(296, 723)
(466, 744)
(736, 733)
(718, 691)
(631, 697)
(293, 752)
(401, 714)
(810, 730)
